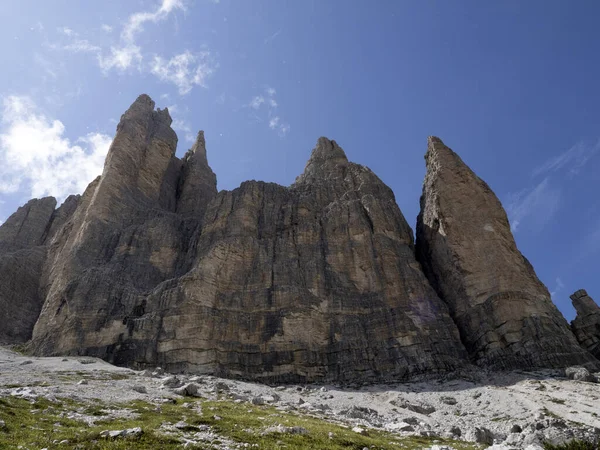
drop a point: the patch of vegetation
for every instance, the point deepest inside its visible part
(573, 445)
(43, 423)
(559, 401)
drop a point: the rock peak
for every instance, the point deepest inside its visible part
(198, 150)
(464, 243)
(583, 303)
(326, 155)
(143, 106)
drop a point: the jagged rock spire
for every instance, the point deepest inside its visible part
(326, 155)
(464, 243)
(586, 325)
(198, 183)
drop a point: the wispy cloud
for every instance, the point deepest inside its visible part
(257, 101)
(267, 100)
(572, 160)
(537, 204)
(273, 36)
(35, 154)
(185, 70)
(559, 286)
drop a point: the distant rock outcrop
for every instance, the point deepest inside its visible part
(503, 311)
(152, 266)
(586, 325)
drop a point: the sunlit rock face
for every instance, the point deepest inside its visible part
(503, 311)
(586, 325)
(315, 281)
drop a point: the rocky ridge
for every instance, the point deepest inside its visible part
(318, 281)
(586, 325)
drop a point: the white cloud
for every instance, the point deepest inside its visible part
(559, 286)
(136, 21)
(573, 159)
(78, 46)
(274, 119)
(257, 101)
(36, 156)
(538, 204)
(67, 31)
(184, 70)
(106, 28)
(121, 58)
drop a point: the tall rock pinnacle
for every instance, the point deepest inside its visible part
(504, 313)
(586, 325)
(326, 155)
(198, 183)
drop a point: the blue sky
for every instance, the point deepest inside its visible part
(511, 86)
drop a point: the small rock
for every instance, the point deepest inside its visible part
(63, 442)
(481, 435)
(579, 374)
(301, 401)
(412, 420)
(171, 382)
(476, 395)
(215, 417)
(2, 424)
(64, 360)
(448, 400)
(147, 373)
(158, 372)
(87, 361)
(188, 390)
(82, 382)
(455, 431)
(221, 387)
(516, 429)
(420, 408)
(360, 430)
(196, 379)
(283, 429)
(258, 400)
(26, 362)
(139, 388)
(271, 398)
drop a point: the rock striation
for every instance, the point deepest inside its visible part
(317, 281)
(586, 325)
(504, 313)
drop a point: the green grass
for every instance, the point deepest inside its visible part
(239, 422)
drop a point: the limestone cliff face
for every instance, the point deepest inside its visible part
(504, 313)
(315, 281)
(586, 325)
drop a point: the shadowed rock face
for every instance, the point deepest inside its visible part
(24, 239)
(586, 325)
(504, 313)
(316, 281)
